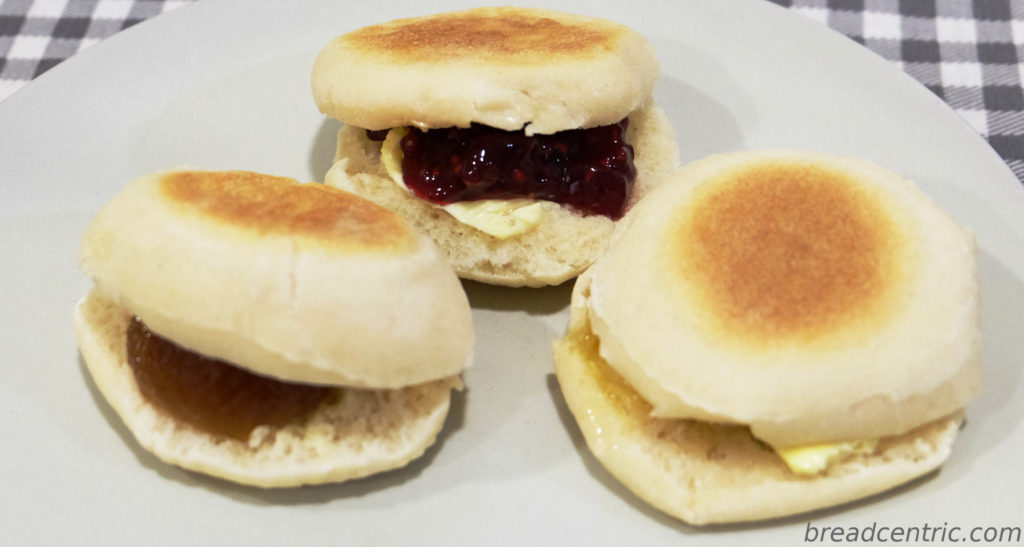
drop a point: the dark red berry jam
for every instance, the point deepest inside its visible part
(590, 170)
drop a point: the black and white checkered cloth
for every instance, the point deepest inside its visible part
(968, 52)
(35, 35)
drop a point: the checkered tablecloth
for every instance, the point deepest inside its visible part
(968, 52)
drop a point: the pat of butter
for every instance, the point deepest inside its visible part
(815, 458)
(501, 218)
(391, 154)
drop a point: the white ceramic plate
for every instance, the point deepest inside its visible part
(224, 84)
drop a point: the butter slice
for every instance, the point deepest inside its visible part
(814, 458)
(391, 154)
(501, 218)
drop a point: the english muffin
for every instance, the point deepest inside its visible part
(516, 138)
(269, 332)
(774, 332)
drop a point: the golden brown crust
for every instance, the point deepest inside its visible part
(782, 250)
(541, 71)
(265, 204)
(485, 34)
(893, 299)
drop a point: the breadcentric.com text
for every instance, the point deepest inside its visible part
(923, 533)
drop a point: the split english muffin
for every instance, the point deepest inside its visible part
(269, 332)
(515, 138)
(774, 332)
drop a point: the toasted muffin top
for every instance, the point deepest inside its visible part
(261, 204)
(301, 282)
(814, 298)
(504, 35)
(783, 251)
(509, 68)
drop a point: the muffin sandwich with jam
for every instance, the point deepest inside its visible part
(515, 138)
(803, 332)
(269, 332)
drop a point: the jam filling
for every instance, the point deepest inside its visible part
(590, 170)
(212, 395)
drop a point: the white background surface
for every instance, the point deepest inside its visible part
(225, 84)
